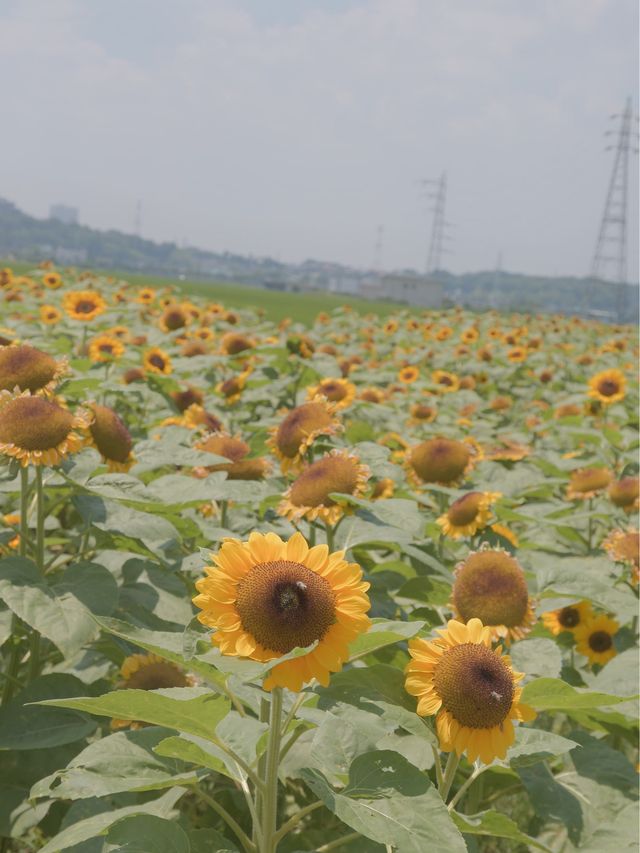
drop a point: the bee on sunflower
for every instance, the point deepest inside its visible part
(265, 597)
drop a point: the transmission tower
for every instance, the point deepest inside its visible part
(610, 256)
(438, 193)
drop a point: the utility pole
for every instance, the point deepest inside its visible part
(610, 256)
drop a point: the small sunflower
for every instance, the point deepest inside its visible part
(83, 305)
(236, 451)
(52, 280)
(39, 431)
(299, 429)
(26, 368)
(408, 375)
(468, 514)
(173, 318)
(50, 315)
(196, 417)
(472, 689)
(587, 482)
(232, 388)
(111, 438)
(623, 546)
(134, 374)
(148, 672)
(266, 597)
(446, 382)
(625, 493)
(340, 392)
(440, 460)
(371, 395)
(146, 295)
(517, 354)
(444, 333)
(157, 361)
(105, 348)
(191, 349)
(383, 489)
(234, 343)
(607, 387)
(490, 585)
(187, 397)
(422, 413)
(122, 333)
(470, 335)
(567, 618)
(594, 639)
(308, 496)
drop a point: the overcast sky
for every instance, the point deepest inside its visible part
(294, 128)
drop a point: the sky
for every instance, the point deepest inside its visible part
(296, 128)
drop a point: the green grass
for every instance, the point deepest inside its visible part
(300, 307)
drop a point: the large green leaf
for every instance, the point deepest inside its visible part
(533, 745)
(495, 825)
(194, 710)
(383, 632)
(551, 694)
(390, 801)
(537, 657)
(142, 833)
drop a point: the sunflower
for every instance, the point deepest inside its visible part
(468, 514)
(52, 280)
(232, 388)
(446, 382)
(236, 450)
(111, 438)
(567, 618)
(234, 342)
(105, 348)
(390, 327)
(196, 417)
(299, 429)
(625, 492)
(50, 315)
(146, 295)
(267, 597)
(308, 496)
(83, 305)
(440, 460)
(25, 368)
(490, 585)
(39, 431)
(408, 375)
(444, 333)
(607, 387)
(383, 489)
(470, 335)
(594, 639)
(340, 392)
(186, 398)
(422, 413)
(134, 374)
(173, 318)
(157, 361)
(148, 672)
(623, 546)
(472, 688)
(587, 482)
(190, 349)
(567, 410)
(203, 334)
(372, 395)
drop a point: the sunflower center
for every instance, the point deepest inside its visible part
(318, 481)
(475, 685)
(34, 423)
(440, 460)
(608, 387)
(445, 380)
(84, 306)
(157, 361)
(333, 391)
(569, 617)
(110, 434)
(27, 367)
(465, 509)
(298, 424)
(284, 605)
(154, 676)
(600, 641)
(491, 586)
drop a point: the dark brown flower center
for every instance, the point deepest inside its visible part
(110, 434)
(157, 361)
(569, 617)
(319, 480)
(174, 318)
(600, 641)
(153, 676)
(299, 424)
(26, 367)
(34, 423)
(334, 391)
(284, 605)
(475, 685)
(491, 586)
(84, 306)
(608, 387)
(465, 509)
(440, 460)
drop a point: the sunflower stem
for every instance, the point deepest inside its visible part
(330, 532)
(270, 796)
(437, 764)
(449, 774)
(34, 658)
(224, 506)
(462, 790)
(262, 767)
(233, 825)
(295, 820)
(338, 842)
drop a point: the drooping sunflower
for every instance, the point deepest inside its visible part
(372, 395)
(39, 431)
(299, 429)
(234, 343)
(383, 489)
(587, 482)
(26, 368)
(105, 348)
(594, 639)
(408, 375)
(239, 467)
(472, 689)
(157, 361)
(50, 315)
(190, 349)
(625, 493)
(440, 460)
(623, 546)
(422, 413)
(490, 585)
(84, 305)
(232, 388)
(111, 438)
(133, 374)
(338, 391)
(196, 417)
(187, 397)
(567, 618)
(308, 496)
(148, 672)
(266, 597)
(608, 386)
(468, 514)
(446, 382)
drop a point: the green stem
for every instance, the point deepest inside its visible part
(437, 765)
(312, 534)
(14, 659)
(292, 822)
(462, 790)
(224, 506)
(270, 796)
(34, 657)
(330, 532)
(590, 524)
(262, 767)
(295, 734)
(233, 825)
(335, 845)
(449, 774)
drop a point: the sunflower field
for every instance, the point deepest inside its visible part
(365, 585)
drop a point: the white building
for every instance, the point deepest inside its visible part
(405, 287)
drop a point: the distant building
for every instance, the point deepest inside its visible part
(405, 287)
(63, 213)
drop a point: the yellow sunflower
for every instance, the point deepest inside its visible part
(25, 368)
(472, 689)
(50, 315)
(173, 318)
(517, 354)
(148, 672)
(625, 492)
(111, 438)
(308, 496)
(422, 413)
(340, 392)
(446, 382)
(440, 460)
(195, 417)
(52, 280)
(468, 514)
(623, 546)
(233, 343)
(587, 482)
(236, 451)
(157, 361)
(567, 618)
(383, 489)
(188, 397)
(146, 295)
(39, 431)
(83, 305)
(299, 429)
(408, 375)
(444, 333)
(490, 585)
(608, 386)
(372, 395)
(105, 348)
(266, 597)
(594, 639)
(232, 388)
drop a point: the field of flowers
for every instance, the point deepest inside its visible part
(364, 585)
